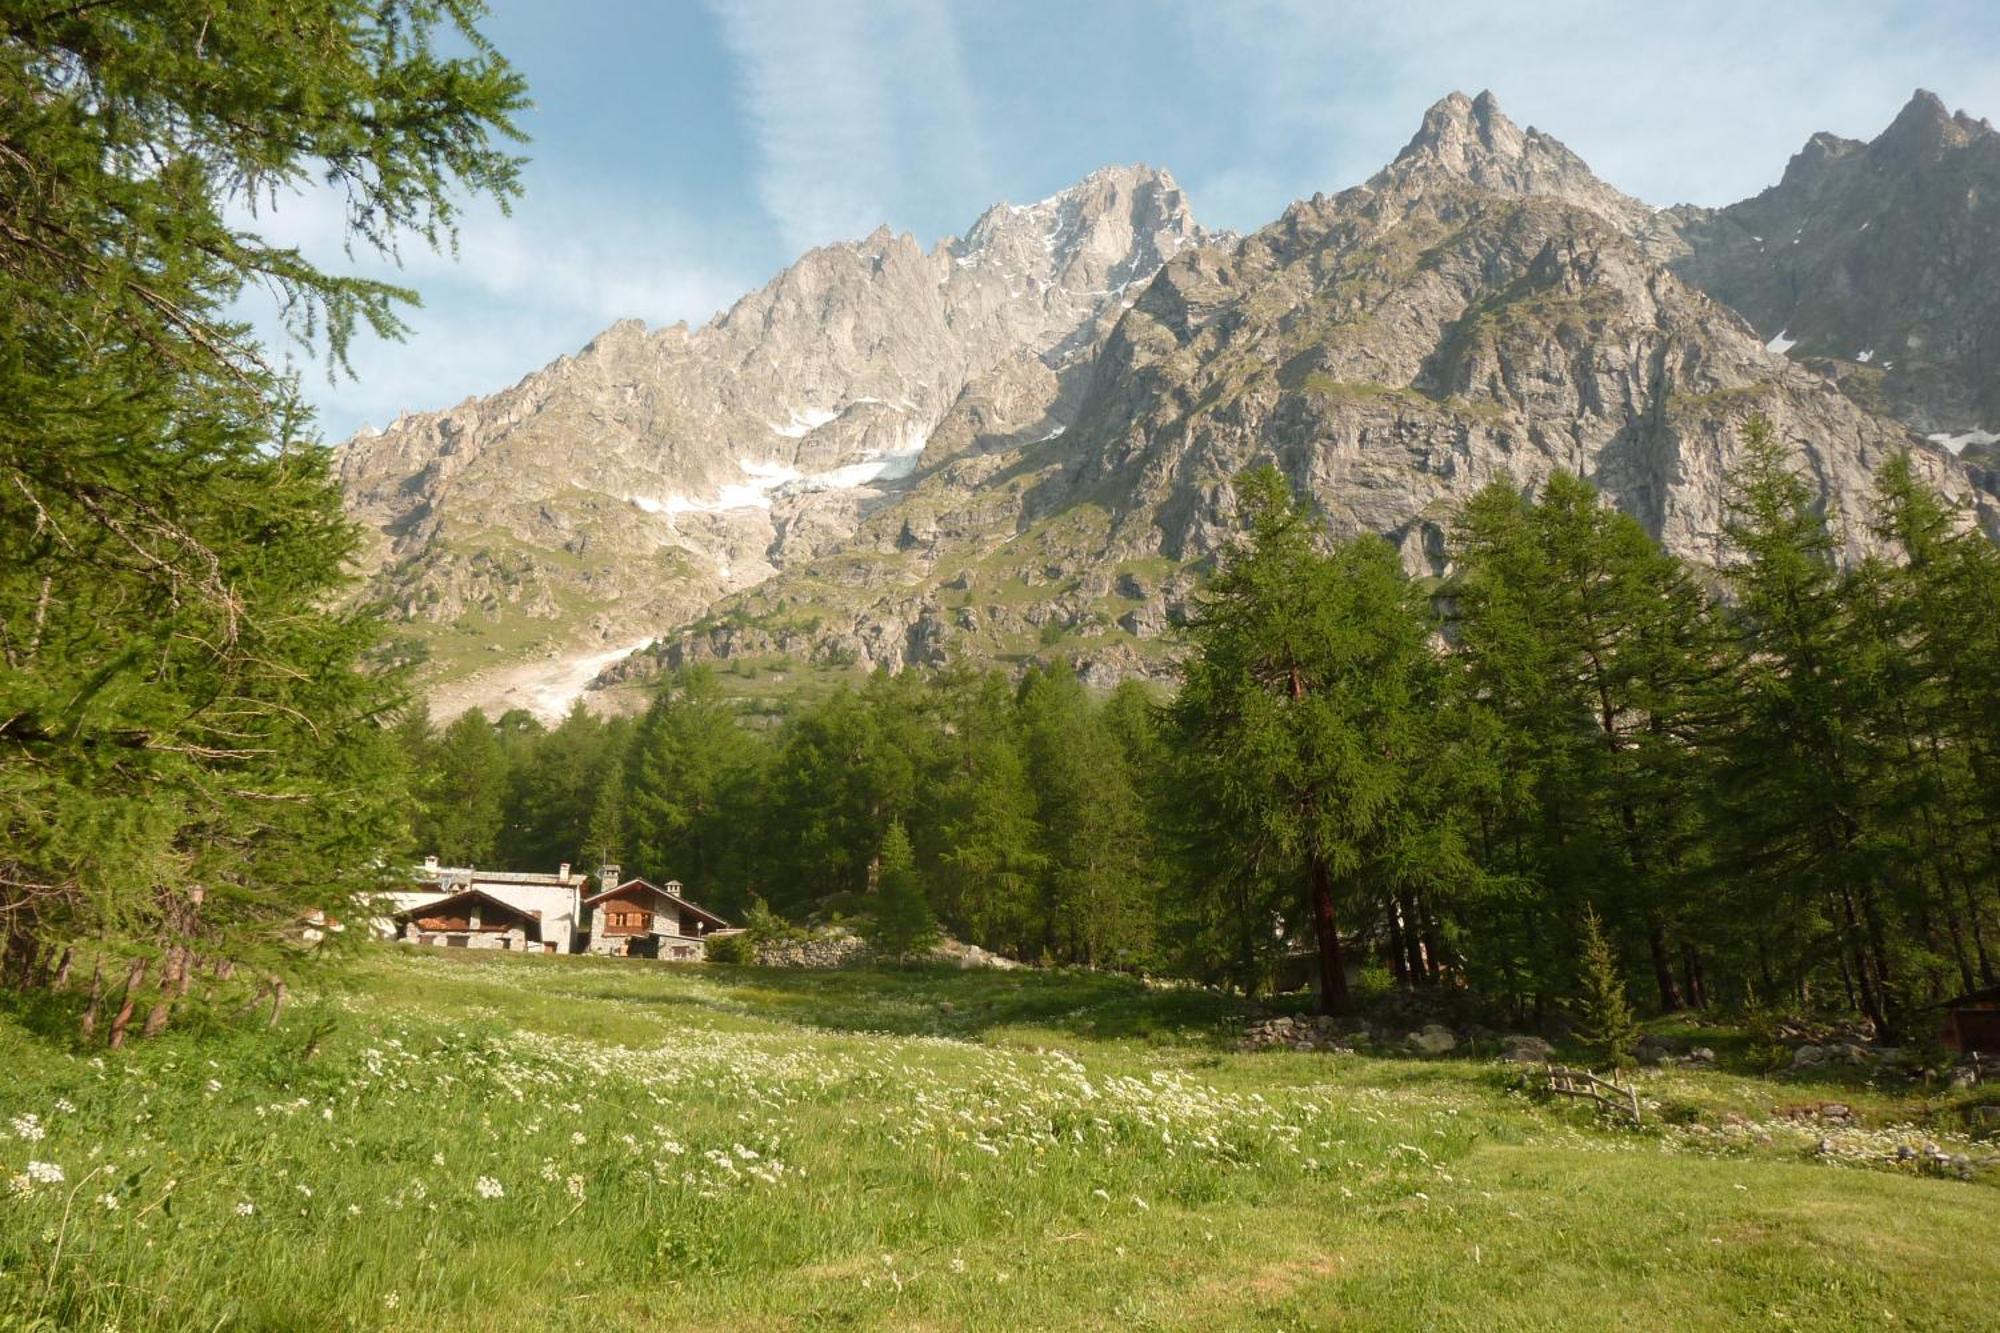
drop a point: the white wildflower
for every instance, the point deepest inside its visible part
(245, 1208)
(108, 1202)
(45, 1173)
(28, 1127)
(489, 1188)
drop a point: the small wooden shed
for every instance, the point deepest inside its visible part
(1972, 1022)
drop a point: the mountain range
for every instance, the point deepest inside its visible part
(1020, 443)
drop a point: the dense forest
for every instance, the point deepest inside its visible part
(1777, 783)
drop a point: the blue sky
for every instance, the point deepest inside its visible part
(686, 150)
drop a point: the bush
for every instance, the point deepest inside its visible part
(737, 950)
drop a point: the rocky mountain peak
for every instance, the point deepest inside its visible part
(1469, 141)
(1116, 225)
(1927, 125)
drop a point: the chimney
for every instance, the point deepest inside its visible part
(607, 877)
(673, 887)
(563, 874)
(430, 865)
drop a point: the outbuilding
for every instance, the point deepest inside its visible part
(472, 919)
(1972, 1022)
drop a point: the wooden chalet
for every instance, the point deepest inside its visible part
(639, 919)
(473, 919)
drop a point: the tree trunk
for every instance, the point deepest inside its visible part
(132, 980)
(1413, 944)
(1864, 979)
(1691, 971)
(1399, 966)
(277, 1002)
(61, 981)
(88, 1024)
(1333, 997)
(1663, 970)
(156, 1017)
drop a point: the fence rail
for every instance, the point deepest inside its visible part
(1608, 1094)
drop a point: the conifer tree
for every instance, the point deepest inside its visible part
(900, 922)
(686, 776)
(1301, 723)
(1608, 1022)
(191, 761)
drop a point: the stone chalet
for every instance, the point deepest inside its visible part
(637, 919)
(552, 903)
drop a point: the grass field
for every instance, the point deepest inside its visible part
(489, 1142)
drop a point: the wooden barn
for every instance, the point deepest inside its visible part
(1972, 1022)
(639, 919)
(472, 919)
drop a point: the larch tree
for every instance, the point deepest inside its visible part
(1301, 722)
(191, 760)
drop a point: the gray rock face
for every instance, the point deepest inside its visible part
(1878, 261)
(1071, 389)
(631, 484)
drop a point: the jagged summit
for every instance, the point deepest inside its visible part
(618, 491)
(1470, 141)
(1879, 261)
(1926, 123)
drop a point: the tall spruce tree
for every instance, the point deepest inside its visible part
(1597, 651)
(686, 776)
(900, 922)
(1300, 724)
(190, 760)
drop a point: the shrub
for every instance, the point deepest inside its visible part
(737, 950)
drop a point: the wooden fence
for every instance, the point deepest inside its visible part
(1607, 1094)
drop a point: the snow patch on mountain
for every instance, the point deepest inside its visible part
(1957, 443)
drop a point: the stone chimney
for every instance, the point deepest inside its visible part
(673, 888)
(607, 877)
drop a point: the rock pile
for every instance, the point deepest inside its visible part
(831, 948)
(1302, 1033)
(1671, 1052)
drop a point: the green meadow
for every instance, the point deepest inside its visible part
(457, 1141)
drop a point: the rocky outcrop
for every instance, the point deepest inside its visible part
(1878, 263)
(1481, 310)
(1022, 444)
(623, 489)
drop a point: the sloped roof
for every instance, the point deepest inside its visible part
(465, 895)
(657, 891)
(449, 875)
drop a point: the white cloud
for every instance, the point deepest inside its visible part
(520, 291)
(856, 109)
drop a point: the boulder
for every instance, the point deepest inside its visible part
(1654, 1049)
(1433, 1040)
(1808, 1057)
(1526, 1050)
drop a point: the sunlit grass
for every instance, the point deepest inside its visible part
(524, 1142)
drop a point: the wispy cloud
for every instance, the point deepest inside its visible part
(1702, 101)
(518, 292)
(855, 107)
